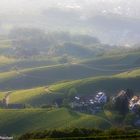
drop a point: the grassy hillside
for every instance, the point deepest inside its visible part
(8, 64)
(21, 121)
(35, 97)
(26, 96)
(109, 84)
(120, 61)
(46, 95)
(46, 75)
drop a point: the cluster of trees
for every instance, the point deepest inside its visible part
(79, 133)
(29, 42)
(120, 103)
(70, 96)
(119, 106)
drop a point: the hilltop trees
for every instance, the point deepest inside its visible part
(32, 42)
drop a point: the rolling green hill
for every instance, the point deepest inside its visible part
(21, 121)
(109, 84)
(46, 95)
(8, 64)
(47, 75)
(35, 97)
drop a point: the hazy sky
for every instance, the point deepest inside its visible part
(16, 7)
(69, 13)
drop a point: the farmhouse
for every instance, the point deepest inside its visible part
(100, 98)
(134, 103)
(91, 104)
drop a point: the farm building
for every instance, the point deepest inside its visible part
(91, 104)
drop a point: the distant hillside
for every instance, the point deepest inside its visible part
(8, 65)
(20, 121)
(31, 42)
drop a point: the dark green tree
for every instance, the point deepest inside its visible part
(72, 93)
(121, 103)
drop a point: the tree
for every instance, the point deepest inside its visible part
(66, 103)
(121, 103)
(129, 93)
(72, 93)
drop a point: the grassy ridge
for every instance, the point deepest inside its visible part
(117, 59)
(46, 95)
(25, 96)
(35, 97)
(25, 63)
(112, 62)
(110, 84)
(46, 75)
(21, 121)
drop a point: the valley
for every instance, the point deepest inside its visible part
(35, 89)
(39, 92)
(69, 70)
